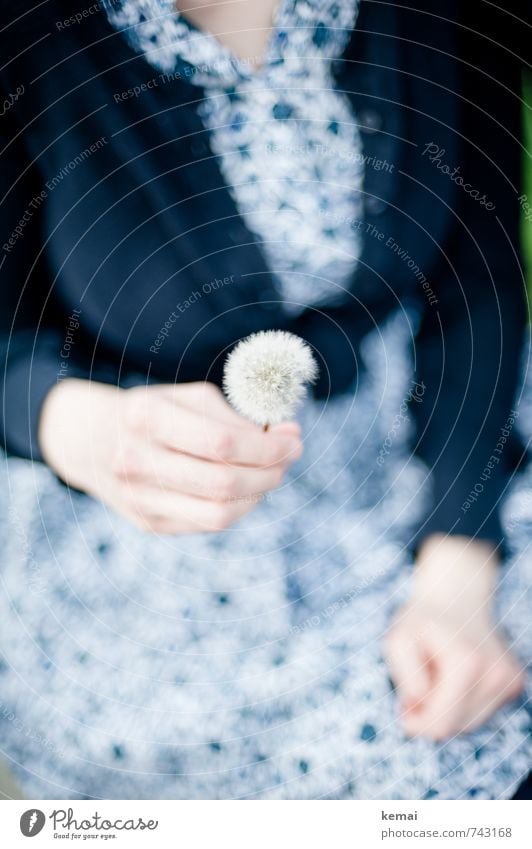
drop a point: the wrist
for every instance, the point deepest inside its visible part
(73, 413)
(52, 420)
(456, 572)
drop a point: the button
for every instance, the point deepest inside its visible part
(375, 206)
(370, 120)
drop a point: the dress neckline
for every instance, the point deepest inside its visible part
(249, 68)
(303, 32)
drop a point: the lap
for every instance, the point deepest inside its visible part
(246, 663)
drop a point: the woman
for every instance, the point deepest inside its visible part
(210, 622)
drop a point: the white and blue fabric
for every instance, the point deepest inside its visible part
(248, 664)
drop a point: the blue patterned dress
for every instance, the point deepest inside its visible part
(248, 664)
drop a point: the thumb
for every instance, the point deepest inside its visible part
(409, 669)
(288, 428)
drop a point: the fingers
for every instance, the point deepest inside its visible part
(210, 401)
(202, 436)
(448, 702)
(501, 682)
(172, 513)
(186, 462)
(409, 668)
(468, 684)
(190, 475)
(204, 398)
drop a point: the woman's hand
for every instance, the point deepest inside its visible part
(172, 459)
(450, 666)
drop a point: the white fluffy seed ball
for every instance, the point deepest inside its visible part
(265, 376)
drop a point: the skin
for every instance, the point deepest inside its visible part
(244, 26)
(178, 459)
(451, 667)
(172, 459)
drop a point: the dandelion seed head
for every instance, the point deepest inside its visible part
(265, 376)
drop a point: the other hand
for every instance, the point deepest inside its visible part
(451, 667)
